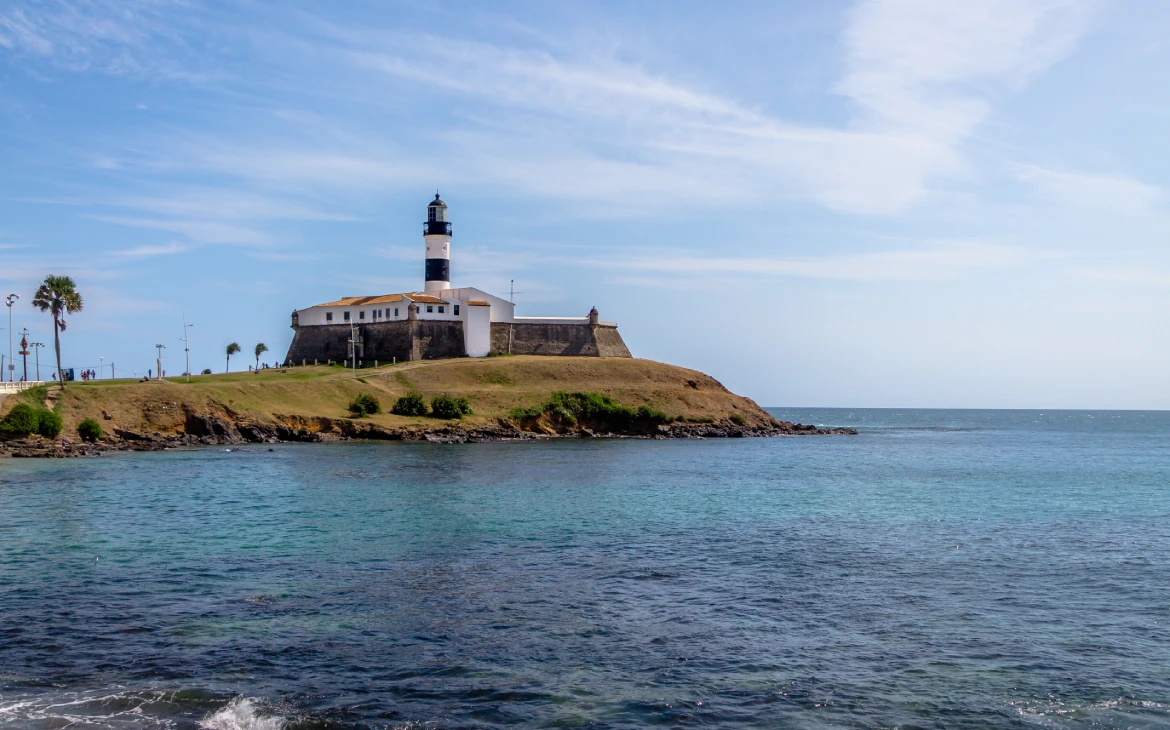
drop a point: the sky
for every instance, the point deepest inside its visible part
(881, 203)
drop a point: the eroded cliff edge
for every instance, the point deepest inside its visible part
(506, 394)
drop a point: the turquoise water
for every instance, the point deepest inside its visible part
(942, 569)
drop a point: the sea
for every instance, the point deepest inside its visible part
(940, 569)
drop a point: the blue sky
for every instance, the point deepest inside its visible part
(905, 203)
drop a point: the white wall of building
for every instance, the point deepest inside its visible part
(477, 331)
(502, 309)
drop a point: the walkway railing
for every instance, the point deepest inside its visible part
(6, 388)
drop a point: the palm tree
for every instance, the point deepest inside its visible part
(59, 296)
(260, 350)
(231, 350)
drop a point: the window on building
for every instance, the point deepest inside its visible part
(455, 310)
(430, 308)
(345, 316)
(329, 316)
(396, 311)
(441, 308)
(362, 314)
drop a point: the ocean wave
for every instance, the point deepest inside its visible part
(1044, 712)
(127, 710)
(243, 713)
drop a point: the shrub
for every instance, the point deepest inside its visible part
(22, 420)
(737, 419)
(646, 413)
(411, 404)
(48, 424)
(206, 371)
(593, 408)
(443, 406)
(364, 404)
(89, 430)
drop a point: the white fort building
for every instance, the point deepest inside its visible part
(441, 321)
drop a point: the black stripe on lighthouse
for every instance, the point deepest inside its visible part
(438, 270)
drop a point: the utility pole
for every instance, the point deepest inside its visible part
(186, 346)
(10, 300)
(101, 366)
(24, 353)
(38, 345)
(353, 348)
(158, 362)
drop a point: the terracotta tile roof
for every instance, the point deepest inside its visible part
(426, 299)
(477, 303)
(362, 301)
(343, 302)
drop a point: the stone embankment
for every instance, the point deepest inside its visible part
(213, 430)
(511, 398)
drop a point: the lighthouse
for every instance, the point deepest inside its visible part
(437, 235)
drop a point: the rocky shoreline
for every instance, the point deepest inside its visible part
(213, 430)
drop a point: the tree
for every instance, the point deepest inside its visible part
(231, 350)
(260, 350)
(58, 295)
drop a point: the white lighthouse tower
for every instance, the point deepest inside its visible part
(437, 235)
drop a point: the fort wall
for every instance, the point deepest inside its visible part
(382, 341)
(429, 340)
(581, 340)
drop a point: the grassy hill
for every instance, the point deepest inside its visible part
(315, 399)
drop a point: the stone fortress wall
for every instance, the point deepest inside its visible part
(431, 340)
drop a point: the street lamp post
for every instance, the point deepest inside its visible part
(158, 362)
(101, 366)
(353, 349)
(187, 346)
(38, 345)
(24, 353)
(10, 300)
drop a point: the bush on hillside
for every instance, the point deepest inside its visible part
(592, 408)
(22, 420)
(444, 406)
(737, 419)
(364, 404)
(411, 404)
(25, 420)
(206, 371)
(89, 430)
(48, 424)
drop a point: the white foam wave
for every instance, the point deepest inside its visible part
(241, 714)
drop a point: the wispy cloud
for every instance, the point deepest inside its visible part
(127, 37)
(1080, 189)
(196, 230)
(580, 125)
(1138, 277)
(156, 250)
(938, 263)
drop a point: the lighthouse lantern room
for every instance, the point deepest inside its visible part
(437, 236)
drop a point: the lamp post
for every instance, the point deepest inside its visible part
(10, 300)
(24, 353)
(353, 348)
(186, 346)
(158, 362)
(38, 345)
(101, 366)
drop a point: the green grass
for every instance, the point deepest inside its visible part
(496, 377)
